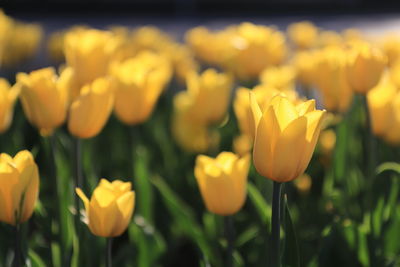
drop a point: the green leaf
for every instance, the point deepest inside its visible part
(249, 234)
(377, 217)
(35, 259)
(388, 166)
(184, 217)
(262, 207)
(291, 255)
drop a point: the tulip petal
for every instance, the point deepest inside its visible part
(103, 203)
(289, 150)
(256, 114)
(306, 107)
(9, 177)
(125, 204)
(29, 182)
(285, 111)
(82, 196)
(264, 145)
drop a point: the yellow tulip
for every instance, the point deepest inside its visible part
(364, 67)
(110, 208)
(303, 34)
(255, 48)
(138, 82)
(286, 135)
(329, 38)
(263, 95)
(392, 135)
(327, 141)
(89, 52)
(380, 105)
(391, 46)
(242, 144)
(281, 78)
(305, 64)
(19, 187)
(90, 111)
(43, 98)
(330, 72)
(207, 96)
(8, 95)
(222, 182)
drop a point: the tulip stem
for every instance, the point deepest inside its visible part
(17, 251)
(78, 183)
(371, 142)
(108, 252)
(275, 231)
(230, 236)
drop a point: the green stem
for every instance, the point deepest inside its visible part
(78, 183)
(55, 181)
(275, 235)
(371, 145)
(108, 252)
(230, 238)
(17, 249)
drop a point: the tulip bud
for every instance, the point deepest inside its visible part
(303, 34)
(43, 98)
(286, 135)
(91, 110)
(365, 66)
(8, 96)
(110, 208)
(19, 183)
(222, 182)
(139, 81)
(305, 65)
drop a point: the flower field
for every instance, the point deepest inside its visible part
(247, 145)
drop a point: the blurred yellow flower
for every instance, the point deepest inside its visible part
(365, 66)
(8, 95)
(44, 99)
(303, 34)
(242, 144)
(138, 83)
(331, 79)
(380, 105)
(255, 48)
(329, 38)
(110, 208)
(19, 183)
(281, 77)
(305, 63)
(327, 141)
(90, 111)
(391, 47)
(89, 52)
(286, 135)
(223, 182)
(207, 96)
(303, 183)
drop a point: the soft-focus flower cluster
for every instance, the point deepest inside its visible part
(18, 41)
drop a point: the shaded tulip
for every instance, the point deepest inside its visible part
(207, 96)
(43, 98)
(303, 34)
(110, 208)
(392, 136)
(222, 182)
(305, 64)
(381, 108)
(8, 95)
(19, 187)
(365, 65)
(281, 78)
(286, 135)
(391, 47)
(90, 111)
(242, 144)
(331, 79)
(89, 52)
(138, 83)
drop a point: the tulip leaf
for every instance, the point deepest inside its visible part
(291, 255)
(377, 217)
(251, 233)
(262, 207)
(388, 166)
(35, 259)
(184, 217)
